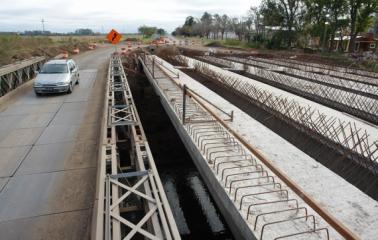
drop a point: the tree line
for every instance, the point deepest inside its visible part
(148, 31)
(289, 22)
(78, 32)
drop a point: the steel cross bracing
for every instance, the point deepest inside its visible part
(128, 190)
(270, 208)
(13, 75)
(354, 143)
(120, 113)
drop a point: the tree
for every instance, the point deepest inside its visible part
(161, 31)
(237, 28)
(84, 31)
(337, 9)
(206, 21)
(284, 13)
(376, 25)
(247, 28)
(290, 10)
(223, 24)
(189, 21)
(365, 17)
(354, 7)
(146, 31)
(360, 12)
(315, 17)
(255, 15)
(316, 11)
(271, 14)
(216, 25)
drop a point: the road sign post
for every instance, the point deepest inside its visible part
(114, 37)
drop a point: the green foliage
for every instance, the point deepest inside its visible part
(84, 32)
(189, 21)
(277, 41)
(271, 13)
(298, 21)
(364, 16)
(146, 31)
(232, 42)
(161, 32)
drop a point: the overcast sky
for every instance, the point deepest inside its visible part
(124, 15)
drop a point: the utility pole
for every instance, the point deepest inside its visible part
(326, 23)
(43, 26)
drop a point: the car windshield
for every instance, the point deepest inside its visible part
(54, 68)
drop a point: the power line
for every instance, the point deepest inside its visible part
(43, 25)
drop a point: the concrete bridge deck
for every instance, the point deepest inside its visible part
(48, 157)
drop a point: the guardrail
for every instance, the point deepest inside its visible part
(13, 75)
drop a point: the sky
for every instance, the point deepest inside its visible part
(101, 16)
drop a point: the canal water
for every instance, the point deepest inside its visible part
(195, 212)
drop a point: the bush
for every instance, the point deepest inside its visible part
(277, 41)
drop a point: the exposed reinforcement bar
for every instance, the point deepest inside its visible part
(250, 181)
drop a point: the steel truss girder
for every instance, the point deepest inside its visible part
(121, 115)
(13, 75)
(144, 177)
(117, 191)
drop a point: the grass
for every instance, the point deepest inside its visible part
(15, 47)
(344, 60)
(233, 43)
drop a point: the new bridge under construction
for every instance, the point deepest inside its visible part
(178, 141)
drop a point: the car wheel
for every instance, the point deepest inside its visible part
(69, 89)
(38, 94)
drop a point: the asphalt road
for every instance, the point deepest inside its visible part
(48, 157)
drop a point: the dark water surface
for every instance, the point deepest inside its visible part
(194, 210)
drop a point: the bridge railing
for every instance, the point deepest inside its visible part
(131, 198)
(14, 75)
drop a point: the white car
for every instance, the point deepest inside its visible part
(57, 76)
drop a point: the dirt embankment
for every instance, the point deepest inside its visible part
(15, 48)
